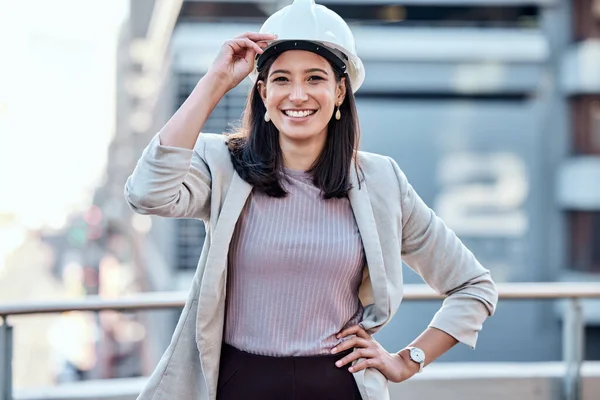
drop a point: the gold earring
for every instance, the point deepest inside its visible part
(338, 114)
(267, 118)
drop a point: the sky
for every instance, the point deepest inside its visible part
(56, 104)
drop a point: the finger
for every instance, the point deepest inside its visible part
(255, 36)
(345, 345)
(241, 44)
(363, 334)
(348, 331)
(243, 48)
(354, 330)
(351, 343)
(250, 57)
(367, 363)
(355, 355)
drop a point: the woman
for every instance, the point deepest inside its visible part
(305, 234)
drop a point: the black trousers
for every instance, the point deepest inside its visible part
(247, 376)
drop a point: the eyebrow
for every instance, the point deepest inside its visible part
(308, 71)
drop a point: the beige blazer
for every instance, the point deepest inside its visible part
(394, 223)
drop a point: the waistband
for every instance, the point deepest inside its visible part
(229, 349)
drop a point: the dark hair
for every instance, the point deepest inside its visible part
(257, 156)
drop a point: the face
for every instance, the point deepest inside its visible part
(301, 94)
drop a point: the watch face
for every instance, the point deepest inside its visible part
(417, 355)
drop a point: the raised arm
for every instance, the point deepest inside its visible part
(171, 178)
(170, 182)
(232, 64)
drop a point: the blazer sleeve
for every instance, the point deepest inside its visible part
(431, 249)
(171, 182)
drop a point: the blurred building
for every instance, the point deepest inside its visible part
(491, 107)
(125, 348)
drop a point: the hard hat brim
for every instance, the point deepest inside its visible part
(338, 59)
(348, 63)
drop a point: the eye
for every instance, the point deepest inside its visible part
(280, 79)
(316, 78)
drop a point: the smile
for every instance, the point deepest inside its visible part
(298, 113)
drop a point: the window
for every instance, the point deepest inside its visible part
(586, 124)
(586, 19)
(190, 238)
(585, 237)
(584, 229)
(439, 15)
(370, 12)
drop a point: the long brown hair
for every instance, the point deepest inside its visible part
(257, 156)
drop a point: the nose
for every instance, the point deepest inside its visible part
(298, 94)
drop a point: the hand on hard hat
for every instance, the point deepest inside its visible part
(235, 59)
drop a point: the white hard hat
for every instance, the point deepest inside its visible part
(304, 25)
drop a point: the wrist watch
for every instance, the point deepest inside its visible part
(418, 356)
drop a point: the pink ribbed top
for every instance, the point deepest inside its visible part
(295, 265)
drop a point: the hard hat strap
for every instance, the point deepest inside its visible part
(336, 60)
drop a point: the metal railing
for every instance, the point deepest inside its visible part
(573, 324)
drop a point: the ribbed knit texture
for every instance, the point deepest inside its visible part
(295, 265)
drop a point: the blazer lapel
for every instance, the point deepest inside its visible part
(360, 201)
(236, 198)
(213, 281)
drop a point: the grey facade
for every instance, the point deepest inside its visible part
(477, 102)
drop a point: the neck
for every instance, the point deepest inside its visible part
(300, 155)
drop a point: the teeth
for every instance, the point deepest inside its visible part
(299, 114)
